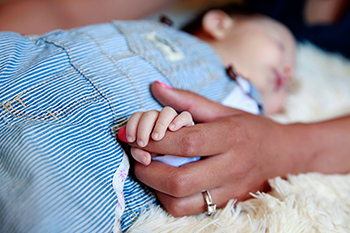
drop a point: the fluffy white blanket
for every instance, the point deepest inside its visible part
(303, 203)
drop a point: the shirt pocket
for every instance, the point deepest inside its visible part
(46, 84)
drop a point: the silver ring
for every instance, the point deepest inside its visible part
(211, 208)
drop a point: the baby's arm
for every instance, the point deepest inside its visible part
(153, 124)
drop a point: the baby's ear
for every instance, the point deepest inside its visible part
(216, 24)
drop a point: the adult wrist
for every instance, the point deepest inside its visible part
(297, 147)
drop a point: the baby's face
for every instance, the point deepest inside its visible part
(263, 51)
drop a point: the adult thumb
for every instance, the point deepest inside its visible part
(201, 108)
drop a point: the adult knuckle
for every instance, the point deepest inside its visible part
(178, 184)
(190, 142)
(238, 134)
(177, 207)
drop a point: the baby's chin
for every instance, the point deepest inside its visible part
(274, 103)
(274, 108)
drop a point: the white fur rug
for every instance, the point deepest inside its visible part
(303, 203)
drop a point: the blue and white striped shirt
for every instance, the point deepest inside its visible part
(63, 97)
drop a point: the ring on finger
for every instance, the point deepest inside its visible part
(211, 208)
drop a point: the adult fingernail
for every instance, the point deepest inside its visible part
(164, 85)
(122, 134)
(129, 139)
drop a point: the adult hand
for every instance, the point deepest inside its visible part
(240, 153)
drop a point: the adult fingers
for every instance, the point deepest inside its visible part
(198, 140)
(201, 108)
(182, 206)
(185, 196)
(195, 204)
(186, 180)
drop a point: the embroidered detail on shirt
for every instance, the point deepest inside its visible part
(21, 102)
(118, 185)
(169, 50)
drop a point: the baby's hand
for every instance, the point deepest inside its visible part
(153, 124)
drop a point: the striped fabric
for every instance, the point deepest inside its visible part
(63, 97)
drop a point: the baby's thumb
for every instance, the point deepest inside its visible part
(141, 156)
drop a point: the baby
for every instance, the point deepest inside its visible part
(261, 49)
(64, 94)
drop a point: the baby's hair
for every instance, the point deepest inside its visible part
(231, 9)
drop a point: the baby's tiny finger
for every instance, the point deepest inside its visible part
(132, 126)
(145, 127)
(165, 117)
(184, 119)
(141, 156)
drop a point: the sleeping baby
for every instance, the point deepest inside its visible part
(65, 94)
(261, 49)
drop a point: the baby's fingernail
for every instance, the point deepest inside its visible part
(155, 135)
(164, 85)
(140, 143)
(171, 126)
(145, 160)
(122, 134)
(129, 139)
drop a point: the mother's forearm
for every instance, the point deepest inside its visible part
(319, 147)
